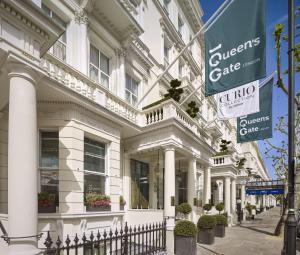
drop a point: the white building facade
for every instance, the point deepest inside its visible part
(71, 75)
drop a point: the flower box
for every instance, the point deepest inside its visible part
(100, 208)
(47, 209)
(46, 203)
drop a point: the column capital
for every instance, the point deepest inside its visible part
(80, 17)
(16, 69)
(169, 148)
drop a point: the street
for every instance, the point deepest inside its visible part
(249, 238)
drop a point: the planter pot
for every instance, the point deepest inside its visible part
(206, 235)
(220, 230)
(185, 245)
(122, 207)
(98, 208)
(47, 209)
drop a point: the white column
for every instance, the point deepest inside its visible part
(207, 185)
(264, 203)
(169, 209)
(227, 195)
(127, 181)
(243, 202)
(191, 186)
(233, 195)
(121, 79)
(77, 42)
(22, 162)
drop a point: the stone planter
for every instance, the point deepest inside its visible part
(206, 235)
(47, 209)
(98, 208)
(122, 207)
(220, 231)
(185, 245)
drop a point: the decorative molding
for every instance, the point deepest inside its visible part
(81, 17)
(17, 15)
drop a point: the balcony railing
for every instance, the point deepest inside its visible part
(76, 81)
(223, 160)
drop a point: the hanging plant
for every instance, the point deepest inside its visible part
(174, 92)
(192, 109)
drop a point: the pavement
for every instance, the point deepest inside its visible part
(251, 237)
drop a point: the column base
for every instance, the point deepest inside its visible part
(34, 251)
(170, 241)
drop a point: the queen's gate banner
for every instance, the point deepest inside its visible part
(235, 47)
(239, 101)
(258, 126)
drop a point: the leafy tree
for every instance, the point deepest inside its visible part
(174, 92)
(279, 153)
(192, 109)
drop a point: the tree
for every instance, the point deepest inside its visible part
(278, 153)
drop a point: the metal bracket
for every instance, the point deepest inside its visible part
(8, 238)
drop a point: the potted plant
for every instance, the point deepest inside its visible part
(97, 202)
(251, 209)
(185, 238)
(184, 208)
(220, 207)
(206, 229)
(122, 203)
(221, 223)
(46, 203)
(207, 207)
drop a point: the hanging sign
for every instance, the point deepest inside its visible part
(235, 47)
(239, 101)
(258, 126)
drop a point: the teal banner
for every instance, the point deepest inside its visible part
(235, 47)
(257, 126)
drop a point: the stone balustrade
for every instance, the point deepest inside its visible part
(69, 77)
(223, 160)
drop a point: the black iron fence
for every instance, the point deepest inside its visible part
(140, 240)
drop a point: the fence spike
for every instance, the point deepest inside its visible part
(68, 241)
(76, 239)
(116, 232)
(98, 235)
(84, 238)
(58, 242)
(48, 242)
(92, 236)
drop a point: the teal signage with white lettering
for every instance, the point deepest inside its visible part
(257, 126)
(235, 47)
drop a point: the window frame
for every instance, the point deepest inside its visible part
(91, 45)
(89, 172)
(131, 92)
(60, 41)
(48, 169)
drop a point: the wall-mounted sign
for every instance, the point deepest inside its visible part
(258, 126)
(235, 47)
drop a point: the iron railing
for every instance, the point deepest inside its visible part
(140, 240)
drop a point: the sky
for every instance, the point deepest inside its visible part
(276, 13)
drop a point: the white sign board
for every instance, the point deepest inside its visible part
(239, 101)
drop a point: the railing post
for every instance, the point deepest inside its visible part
(164, 235)
(126, 240)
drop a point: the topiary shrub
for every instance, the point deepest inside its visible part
(206, 222)
(220, 207)
(174, 92)
(184, 208)
(221, 220)
(185, 228)
(207, 207)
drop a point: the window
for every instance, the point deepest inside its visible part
(131, 90)
(48, 163)
(59, 48)
(139, 184)
(166, 55)
(167, 5)
(180, 25)
(99, 66)
(94, 166)
(180, 70)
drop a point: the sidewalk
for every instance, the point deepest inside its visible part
(250, 238)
